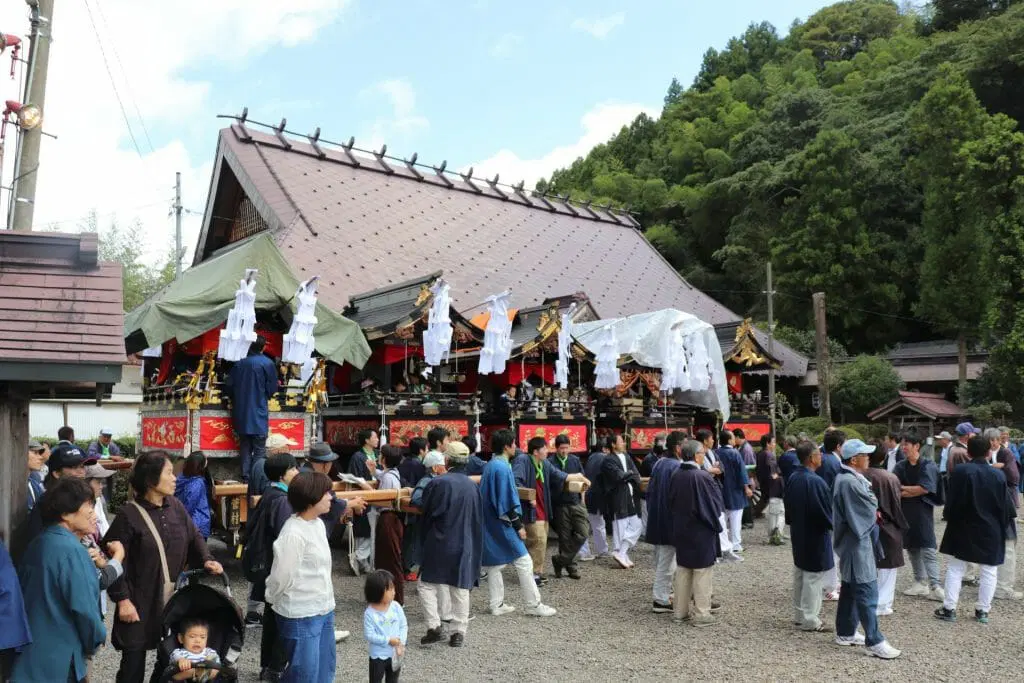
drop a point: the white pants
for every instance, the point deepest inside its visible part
(442, 602)
(955, 571)
(1006, 575)
(886, 588)
(626, 534)
(776, 515)
(496, 584)
(832, 575)
(364, 546)
(723, 536)
(643, 517)
(664, 572)
(735, 518)
(597, 533)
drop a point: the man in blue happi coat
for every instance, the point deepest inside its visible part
(503, 531)
(250, 384)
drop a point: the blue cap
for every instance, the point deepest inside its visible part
(965, 428)
(855, 447)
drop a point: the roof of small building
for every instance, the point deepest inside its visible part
(61, 315)
(933, 406)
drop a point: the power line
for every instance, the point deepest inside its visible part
(113, 84)
(127, 83)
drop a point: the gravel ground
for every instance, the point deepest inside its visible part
(605, 631)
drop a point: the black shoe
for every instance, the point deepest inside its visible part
(434, 635)
(456, 639)
(268, 674)
(253, 619)
(945, 614)
(558, 567)
(661, 608)
(715, 606)
(540, 580)
(573, 573)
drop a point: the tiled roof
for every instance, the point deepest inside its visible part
(381, 223)
(58, 304)
(934, 406)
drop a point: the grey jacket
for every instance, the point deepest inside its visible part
(854, 509)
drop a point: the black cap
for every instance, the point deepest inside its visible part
(66, 455)
(321, 452)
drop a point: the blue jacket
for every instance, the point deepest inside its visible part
(191, 491)
(498, 499)
(788, 464)
(659, 505)
(250, 384)
(808, 504)
(830, 468)
(14, 632)
(475, 466)
(734, 478)
(35, 489)
(572, 466)
(59, 583)
(596, 501)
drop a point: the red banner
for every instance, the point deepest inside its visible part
(218, 433)
(643, 437)
(164, 433)
(577, 435)
(735, 381)
(400, 431)
(486, 432)
(752, 431)
(342, 432)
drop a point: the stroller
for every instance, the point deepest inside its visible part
(193, 600)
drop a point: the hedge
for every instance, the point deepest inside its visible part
(119, 482)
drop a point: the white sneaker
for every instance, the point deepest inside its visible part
(586, 558)
(622, 560)
(502, 609)
(340, 636)
(884, 650)
(918, 590)
(849, 641)
(883, 612)
(541, 610)
(937, 594)
(730, 557)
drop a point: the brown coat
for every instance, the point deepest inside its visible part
(886, 488)
(143, 581)
(957, 456)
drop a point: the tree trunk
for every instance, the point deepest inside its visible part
(962, 367)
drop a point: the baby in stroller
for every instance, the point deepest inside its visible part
(203, 632)
(194, 652)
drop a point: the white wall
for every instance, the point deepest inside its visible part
(120, 414)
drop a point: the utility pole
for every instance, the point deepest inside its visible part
(821, 343)
(771, 346)
(177, 225)
(26, 164)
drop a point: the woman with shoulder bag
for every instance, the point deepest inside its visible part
(160, 542)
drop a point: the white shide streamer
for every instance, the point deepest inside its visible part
(437, 338)
(497, 336)
(240, 332)
(298, 343)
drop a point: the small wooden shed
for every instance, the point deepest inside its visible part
(927, 413)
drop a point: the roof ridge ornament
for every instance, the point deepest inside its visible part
(439, 170)
(380, 156)
(468, 179)
(347, 148)
(411, 165)
(494, 187)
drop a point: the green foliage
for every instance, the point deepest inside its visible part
(994, 412)
(863, 384)
(868, 431)
(807, 425)
(866, 154)
(948, 14)
(851, 432)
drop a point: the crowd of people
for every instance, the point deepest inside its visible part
(852, 508)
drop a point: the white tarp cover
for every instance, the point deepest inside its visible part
(643, 337)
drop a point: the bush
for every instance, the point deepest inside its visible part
(808, 425)
(874, 430)
(850, 431)
(864, 384)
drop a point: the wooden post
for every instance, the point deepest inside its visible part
(821, 344)
(14, 400)
(961, 363)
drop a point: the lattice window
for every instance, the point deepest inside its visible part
(247, 222)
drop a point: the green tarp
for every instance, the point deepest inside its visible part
(201, 299)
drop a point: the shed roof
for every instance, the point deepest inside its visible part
(932, 406)
(60, 309)
(369, 222)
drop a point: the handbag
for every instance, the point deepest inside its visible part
(168, 584)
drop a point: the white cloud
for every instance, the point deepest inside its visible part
(149, 45)
(599, 27)
(402, 122)
(598, 124)
(506, 45)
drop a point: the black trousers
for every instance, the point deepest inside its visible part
(380, 671)
(573, 529)
(133, 667)
(272, 655)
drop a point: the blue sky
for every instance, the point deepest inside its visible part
(514, 88)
